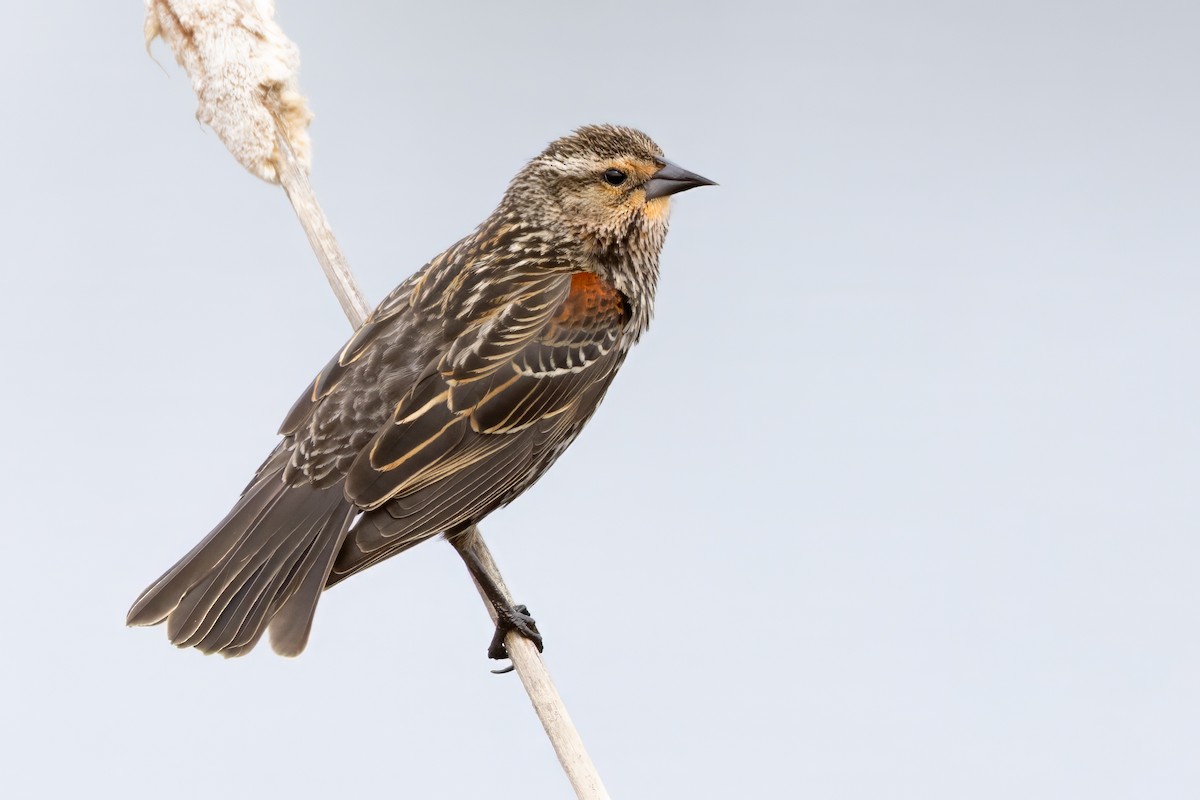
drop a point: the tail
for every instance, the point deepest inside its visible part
(264, 565)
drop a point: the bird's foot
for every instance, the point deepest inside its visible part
(515, 618)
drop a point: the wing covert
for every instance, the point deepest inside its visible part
(532, 359)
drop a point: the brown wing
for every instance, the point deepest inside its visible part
(358, 390)
(331, 375)
(488, 417)
(381, 322)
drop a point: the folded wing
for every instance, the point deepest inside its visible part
(487, 417)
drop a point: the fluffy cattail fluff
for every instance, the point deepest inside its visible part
(243, 69)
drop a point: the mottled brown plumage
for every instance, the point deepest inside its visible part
(456, 394)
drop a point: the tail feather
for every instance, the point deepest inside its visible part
(162, 596)
(265, 607)
(235, 613)
(264, 565)
(271, 543)
(291, 624)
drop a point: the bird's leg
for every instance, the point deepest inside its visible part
(509, 616)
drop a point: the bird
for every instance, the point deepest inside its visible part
(453, 397)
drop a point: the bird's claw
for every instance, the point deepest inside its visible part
(516, 619)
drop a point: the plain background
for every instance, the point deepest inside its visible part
(898, 498)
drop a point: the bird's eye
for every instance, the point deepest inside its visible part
(614, 177)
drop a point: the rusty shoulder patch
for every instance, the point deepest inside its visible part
(592, 302)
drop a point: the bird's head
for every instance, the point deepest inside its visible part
(609, 186)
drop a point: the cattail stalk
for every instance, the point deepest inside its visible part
(243, 70)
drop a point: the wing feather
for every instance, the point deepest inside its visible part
(487, 417)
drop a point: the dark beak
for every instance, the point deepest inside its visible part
(671, 179)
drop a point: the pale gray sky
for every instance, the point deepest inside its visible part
(897, 498)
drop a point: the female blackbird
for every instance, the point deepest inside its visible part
(456, 394)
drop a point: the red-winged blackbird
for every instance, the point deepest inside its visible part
(456, 394)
